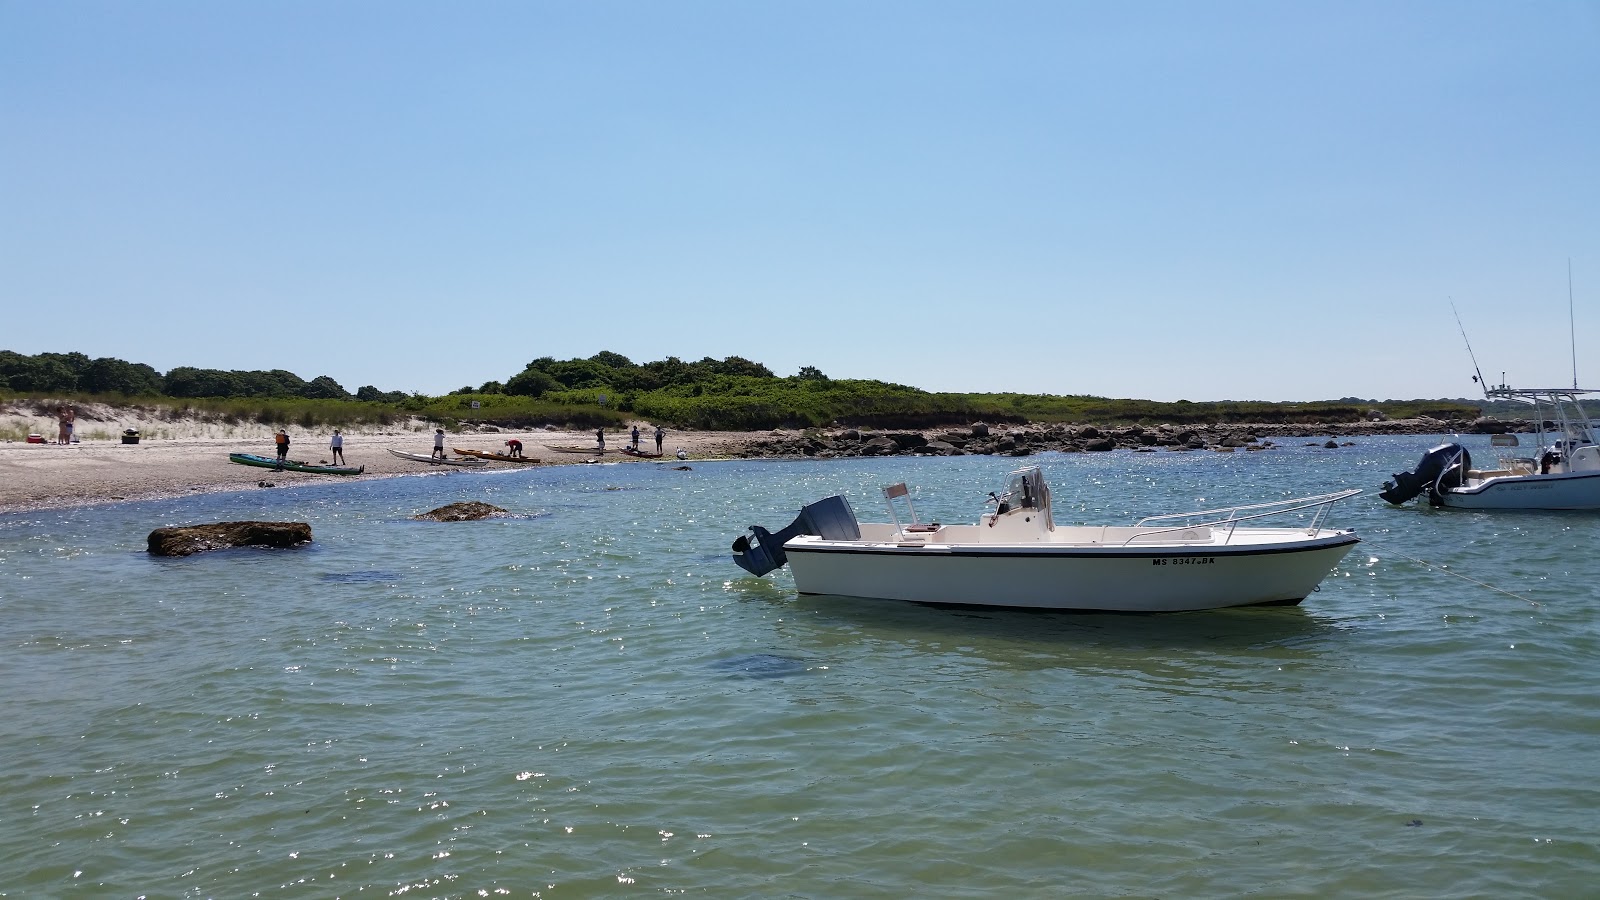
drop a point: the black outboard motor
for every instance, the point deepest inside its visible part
(1445, 466)
(830, 518)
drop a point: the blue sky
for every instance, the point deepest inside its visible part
(1163, 200)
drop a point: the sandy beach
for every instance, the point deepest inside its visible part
(188, 457)
(185, 454)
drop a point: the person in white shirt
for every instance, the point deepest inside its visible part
(336, 444)
(438, 443)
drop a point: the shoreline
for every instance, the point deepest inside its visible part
(36, 477)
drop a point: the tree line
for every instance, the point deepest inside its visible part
(76, 373)
(608, 388)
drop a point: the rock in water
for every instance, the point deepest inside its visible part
(182, 540)
(462, 512)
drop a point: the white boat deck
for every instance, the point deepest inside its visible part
(1086, 536)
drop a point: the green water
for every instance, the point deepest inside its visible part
(591, 700)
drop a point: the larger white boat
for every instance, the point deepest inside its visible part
(1563, 473)
(1016, 556)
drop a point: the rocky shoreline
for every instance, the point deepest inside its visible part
(1025, 440)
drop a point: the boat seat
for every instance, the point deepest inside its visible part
(1482, 474)
(932, 526)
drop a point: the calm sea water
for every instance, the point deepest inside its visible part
(591, 700)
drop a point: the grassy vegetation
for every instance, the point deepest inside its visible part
(1046, 408)
(607, 390)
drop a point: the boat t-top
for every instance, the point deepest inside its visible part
(1562, 473)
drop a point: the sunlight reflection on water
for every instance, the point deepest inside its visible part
(592, 695)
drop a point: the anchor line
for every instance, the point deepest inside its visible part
(1444, 571)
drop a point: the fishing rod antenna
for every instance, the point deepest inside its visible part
(1572, 327)
(1477, 373)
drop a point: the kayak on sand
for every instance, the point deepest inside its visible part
(485, 454)
(292, 465)
(434, 460)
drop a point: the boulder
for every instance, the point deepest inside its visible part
(183, 540)
(469, 511)
(943, 448)
(879, 446)
(1099, 445)
(907, 440)
(979, 429)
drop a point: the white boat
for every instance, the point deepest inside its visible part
(434, 460)
(1564, 473)
(1016, 556)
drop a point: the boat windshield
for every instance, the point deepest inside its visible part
(1025, 489)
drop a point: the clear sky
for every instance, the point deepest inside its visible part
(1162, 200)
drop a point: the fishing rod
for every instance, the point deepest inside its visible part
(1572, 327)
(1478, 373)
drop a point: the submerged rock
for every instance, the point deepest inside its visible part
(469, 511)
(761, 665)
(183, 540)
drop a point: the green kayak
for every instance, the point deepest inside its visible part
(291, 465)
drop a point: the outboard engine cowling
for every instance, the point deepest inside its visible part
(1445, 466)
(830, 518)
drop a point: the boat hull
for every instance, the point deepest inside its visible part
(269, 462)
(1069, 578)
(1575, 490)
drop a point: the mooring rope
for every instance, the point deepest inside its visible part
(1445, 571)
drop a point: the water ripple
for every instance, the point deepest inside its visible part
(590, 699)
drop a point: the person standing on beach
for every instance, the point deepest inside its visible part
(336, 444)
(600, 438)
(636, 439)
(438, 444)
(515, 448)
(661, 434)
(282, 438)
(63, 425)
